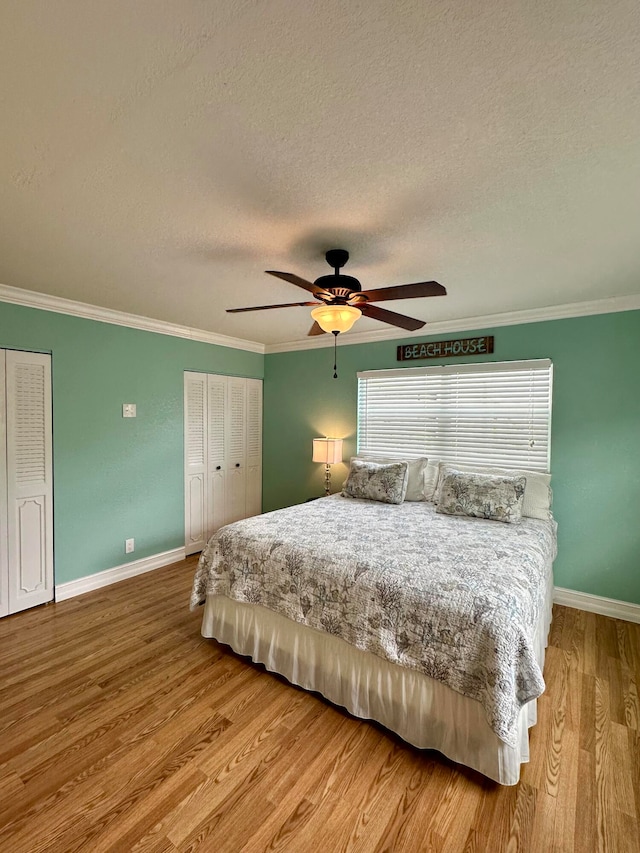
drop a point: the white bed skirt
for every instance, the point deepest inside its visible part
(424, 712)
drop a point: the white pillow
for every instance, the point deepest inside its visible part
(417, 469)
(537, 492)
(431, 475)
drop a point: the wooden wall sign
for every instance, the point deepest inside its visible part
(446, 349)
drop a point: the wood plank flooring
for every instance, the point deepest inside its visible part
(121, 729)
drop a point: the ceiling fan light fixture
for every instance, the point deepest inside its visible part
(335, 318)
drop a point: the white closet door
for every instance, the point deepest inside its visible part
(29, 479)
(4, 562)
(236, 451)
(223, 453)
(195, 461)
(216, 472)
(254, 447)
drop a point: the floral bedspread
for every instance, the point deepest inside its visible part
(455, 598)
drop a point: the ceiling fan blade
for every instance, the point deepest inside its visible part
(391, 317)
(315, 330)
(406, 291)
(292, 278)
(267, 307)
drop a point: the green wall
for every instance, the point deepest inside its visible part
(116, 478)
(595, 458)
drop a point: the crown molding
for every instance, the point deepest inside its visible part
(610, 305)
(59, 305)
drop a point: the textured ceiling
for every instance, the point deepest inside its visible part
(156, 157)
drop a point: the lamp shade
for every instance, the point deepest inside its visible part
(327, 450)
(336, 318)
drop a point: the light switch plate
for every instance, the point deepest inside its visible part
(128, 410)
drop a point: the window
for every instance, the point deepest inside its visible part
(496, 414)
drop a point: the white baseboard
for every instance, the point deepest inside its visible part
(118, 573)
(597, 604)
(625, 610)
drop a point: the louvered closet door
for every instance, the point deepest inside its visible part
(216, 474)
(223, 453)
(29, 479)
(195, 461)
(254, 447)
(4, 561)
(236, 455)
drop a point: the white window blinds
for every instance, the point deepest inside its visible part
(495, 414)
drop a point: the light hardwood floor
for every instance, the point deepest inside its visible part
(122, 729)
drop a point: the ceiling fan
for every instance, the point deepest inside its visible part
(344, 301)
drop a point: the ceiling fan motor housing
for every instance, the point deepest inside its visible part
(341, 286)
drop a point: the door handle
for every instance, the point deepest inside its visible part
(237, 464)
(218, 467)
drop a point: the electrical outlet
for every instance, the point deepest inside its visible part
(129, 546)
(128, 410)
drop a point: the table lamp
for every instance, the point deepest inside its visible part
(329, 451)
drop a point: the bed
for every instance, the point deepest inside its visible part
(433, 625)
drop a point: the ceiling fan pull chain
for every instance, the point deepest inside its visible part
(335, 354)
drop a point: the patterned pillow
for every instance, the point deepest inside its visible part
(416, 471)
(537, 491)
(373, 482)
(496, 497)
